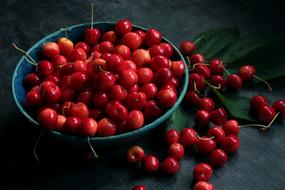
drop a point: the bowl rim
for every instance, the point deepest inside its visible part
(149, 126)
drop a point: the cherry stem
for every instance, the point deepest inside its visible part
(36, 145)
(92, 149)
(264, 81)
(205, 138)
(196, 64)
(92, 5)
(189, 62)
(195, 88)
(198, 39)
(101, 69)
(263, 127)
(214, 87)
(227, 72)
(65, 32)
(27, 56)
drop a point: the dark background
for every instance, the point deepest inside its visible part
(259, 164)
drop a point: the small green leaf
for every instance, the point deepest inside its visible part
(178, 120)
(215, 40)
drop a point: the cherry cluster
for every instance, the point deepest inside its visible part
(106, 84)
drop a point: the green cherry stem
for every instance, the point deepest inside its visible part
(27, 56)
(92, 149)
(202, 37)
(205, 138)
(264, 81)
(263, 127)
(92, 14)
(36, 145)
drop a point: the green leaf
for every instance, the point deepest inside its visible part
(215, 40)
(237, 106)
(178, 120)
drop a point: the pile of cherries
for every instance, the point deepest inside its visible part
(106, 84)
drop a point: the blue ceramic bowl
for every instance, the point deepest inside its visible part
(75, 33)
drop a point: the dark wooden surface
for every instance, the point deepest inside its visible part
(260, 163)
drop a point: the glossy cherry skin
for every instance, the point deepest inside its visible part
(92, 36)
(151, 110)
(172, 136)
(142, 35)
(110, 36)
(126, 64)
(123, 26)
(256, 102)
(65, 108)
(116, 111)
(100, 99)
(141, 57)
(156, 50)
(118, 92)
(218, 158)
(162, 76)
(198, 80)
(106, 127)
(150, 90)
(96, 113)
(135, 101)
(83, 45)
(58, 61)
(134, 88)
(187, 47)
(159, 62)
(104, 81)
(192, 98)
(279, 106)
(85, 97)
(150, 163)
(122, 50)
(78, 81)
(170, 166)
(145, 75)
(231, 127)
(219, 116)
(72, 125)
(197, 58)
(177, 68)
(128, 78)
(202, 119)
(132, 40)
(153, 37)
(140, 187)
(50, 92)
(231, 144)
(218, 133)
(135, 154)
(52, 78)
(216, 66)
(47, 119)
(65, 45)
(44, 68)
(60, 123)
(203, 185)
(176, 151)
(202, 70)
(188, 137)
(206, 104)
(106, 46)
(114, 61)
(50, 49)
(167, 49)
(202, 172)
(167, 98)
(33, 98)
(234, 82)
(247, 72)
(89, 127)
(205, 146)
(218, 81)
(31, 80)
(79, 110)
(78, 54)
(135, 120)
(266, 114)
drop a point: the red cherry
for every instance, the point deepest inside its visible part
(218, 158)
(126, 64)
(153, 37)
(78, 81)
(106, 46)
(176, 151)
(266, 114)
(150, 164)
(135, 120)
(100, 99)
(117, 92)
(231, 144)
(72, 125)
(279, 106)
(66, 70)
(106, 127)
(202, 119)
(142, 34)
(110, 36)
(134, 88)
(163, 76)
(78, 54)
(85, 97)
(205, 146)
(231, 127)
(247, 72)
(145, 75)
(197, 58)
(60, 122)
(123, 26)
(202, 172)
(150, 90)
(151, 110)
(234, 82)
(169, 86)
(88, 127)
(65, 108)
(48, 119)
(132, 40)
(203, 70)
(218, 81)
(178, 68)
(79, 110)
(218, 133)
(167, 98)
(198, 80)
(50, 49)
(32, 80)
(139, 187)
(141, 57)
(159, 62)
(256, 102)
(92, 36)
(187, 47)
(173, 82)
(135, 154)
(58, 61)
(188, 137)
(128, 78)
(156, 50)
(95, 113)
(172, 136)
(216, 66)
(116, 111)
(167, 49)
(44, 68)
(65, 45)
(79, 66)
(219, 116)
(122, 50)
(50, 92)
(33, 98)
(104, 81)
(135, 100)
(192, 98)
(203, 185)
(53, 79)
(114, 61)
(206, 104)
(83, 46)
(170, 166)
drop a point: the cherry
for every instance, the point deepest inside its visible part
(150, 163)
(202, 119)
(50, 49)
(72, 125)
(231, 127)
(218, 133)
(100, 99)
(266, 114)
(163, 76)
(65, 108)
(197, 58)
(79, 66)
(44, 68)
(145, 75)
(203, 185)
(218, 81)
(132, 40)
(151, 110)
(279, 106)
(187, 47)
(78, 81)
(32, 80)
(202, 70)
(66, 70)
(142, 34)
(83, 46)
(114, 61)
(104, 81)
(231, 144)
(156, 50)
(247, 72)
(216, 66)
(167, 98)
(60, 122)
(172, 136)
(159, 61)
(33, 98)
(48, 119)
(123, 26)
(150, 90)
(78, 54)
(88, 127)
(106, 46)
(135, 101)
(206, 104)
(135, 120)
(95, 113)
(153, 37)
(135, 154)
(256, 102)
(139, 187)
(122, 50)
(191, 98)
(65, 45)
(174, 82)
(106, 127)
(110, 36)
(126, 64)
(202, 172)
(58, 61)
(169, 86)
(116, 111)
(117, 92)
(177, 68)
(53, 79)
(234, 82)
(50, 92)
(134, 88)
(188, 137)
(205, 145)
(128, 78)
(167, 49)
(92, 35)
(219, 116)
(85, 97)
(196, 82)
(170, 166)
(176, 151)
(218, 158)
(141, 57)
(79, 110)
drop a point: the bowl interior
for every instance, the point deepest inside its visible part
(75, 33)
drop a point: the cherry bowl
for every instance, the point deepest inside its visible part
(74, 33)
